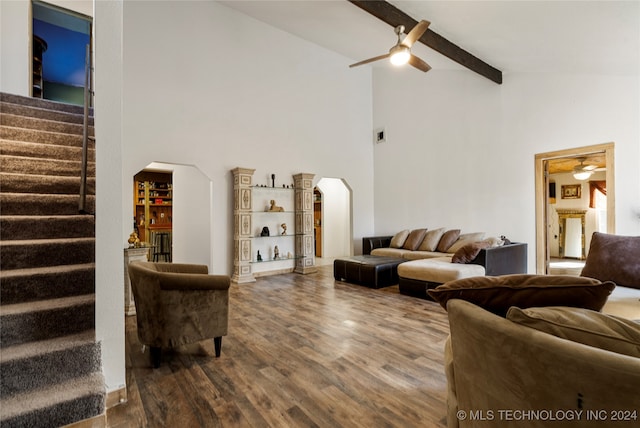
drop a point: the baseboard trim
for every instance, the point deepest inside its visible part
(115, 397)
(99, 421)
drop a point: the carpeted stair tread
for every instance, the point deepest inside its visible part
(42, 103)
(45, 319)
(46, 305)
(40, 150)
(36, 204)
(21, 254)
(43, 124)
(49, 282)
(27, 350)
(16, 227)
(36, 364)
(42, 113)
(37, 136)
(52, 184)
(39, 166)
(56, 405)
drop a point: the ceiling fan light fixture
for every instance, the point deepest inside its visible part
(399, 55)
(582, 175)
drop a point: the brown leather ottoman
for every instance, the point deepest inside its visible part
(370, 271)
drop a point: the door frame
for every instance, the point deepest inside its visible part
(542, 197)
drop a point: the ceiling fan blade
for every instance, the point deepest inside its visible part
(367, 61)
(415, 33)
(418, 63)
(589, 167)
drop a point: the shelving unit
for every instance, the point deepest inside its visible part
(39, 48)
(153, 200)
(252, 213)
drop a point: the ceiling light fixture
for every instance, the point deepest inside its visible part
(583, 172)
(399, 55)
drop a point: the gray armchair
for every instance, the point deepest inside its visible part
(177, 304)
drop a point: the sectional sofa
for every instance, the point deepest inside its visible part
(436, 256)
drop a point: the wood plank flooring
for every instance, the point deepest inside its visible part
(302, 351)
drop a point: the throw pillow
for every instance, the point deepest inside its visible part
(398, 239)
(591, 328)
(464, 239)
(498, 293)
(614, 258)
(447, 240)
(414, 239)
(431, 239)
(494, 241)
(469, 252)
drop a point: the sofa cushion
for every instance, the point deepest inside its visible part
(431, 239)
(414, 239)
(438, 270)
(418, 255)
(389, 252)
(398, 239)
(464, 239)
(583, 326)
(614, 258)
(469, 252)
(498, 293)
(447, 240)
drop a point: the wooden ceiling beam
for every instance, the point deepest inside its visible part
(394, 17)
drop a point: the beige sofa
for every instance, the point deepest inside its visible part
(501, 373)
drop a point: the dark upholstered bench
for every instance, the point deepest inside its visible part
(367, 270)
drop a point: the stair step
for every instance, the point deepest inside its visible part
(46, 319)
(42, 204)
(42, 113)
(29, 165)
(50, 282)
(37, 364)
(47, 151)
(57, 405)
(42, 103)
(22, 254)
(27, 122)
(30, 183)
(47, 227)
(37, 136)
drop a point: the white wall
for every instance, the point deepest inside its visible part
(15, 46)
(207, 86)
(110, 199)
(460, 149)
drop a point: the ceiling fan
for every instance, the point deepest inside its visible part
(582, 171)
(400, 54)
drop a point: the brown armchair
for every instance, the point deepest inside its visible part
(177, 304)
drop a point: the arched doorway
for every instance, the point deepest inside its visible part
(334, 224)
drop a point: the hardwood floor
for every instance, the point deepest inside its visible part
(302, 351)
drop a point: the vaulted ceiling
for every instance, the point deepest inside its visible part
(601, 37)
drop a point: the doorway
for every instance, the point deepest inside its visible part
(333, 219)
(60, 41)
(569, 208)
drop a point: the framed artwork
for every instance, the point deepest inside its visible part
(571, 191)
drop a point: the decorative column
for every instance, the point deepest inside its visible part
(305, 254)
(130, 255)
(242, 207)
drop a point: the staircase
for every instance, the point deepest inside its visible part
(49, 358)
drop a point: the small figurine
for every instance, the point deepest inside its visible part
(259, 257)
(265, 231)
(284, 228)
(276, 253)
(274, 208)
(273, 180)
(134, 241)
